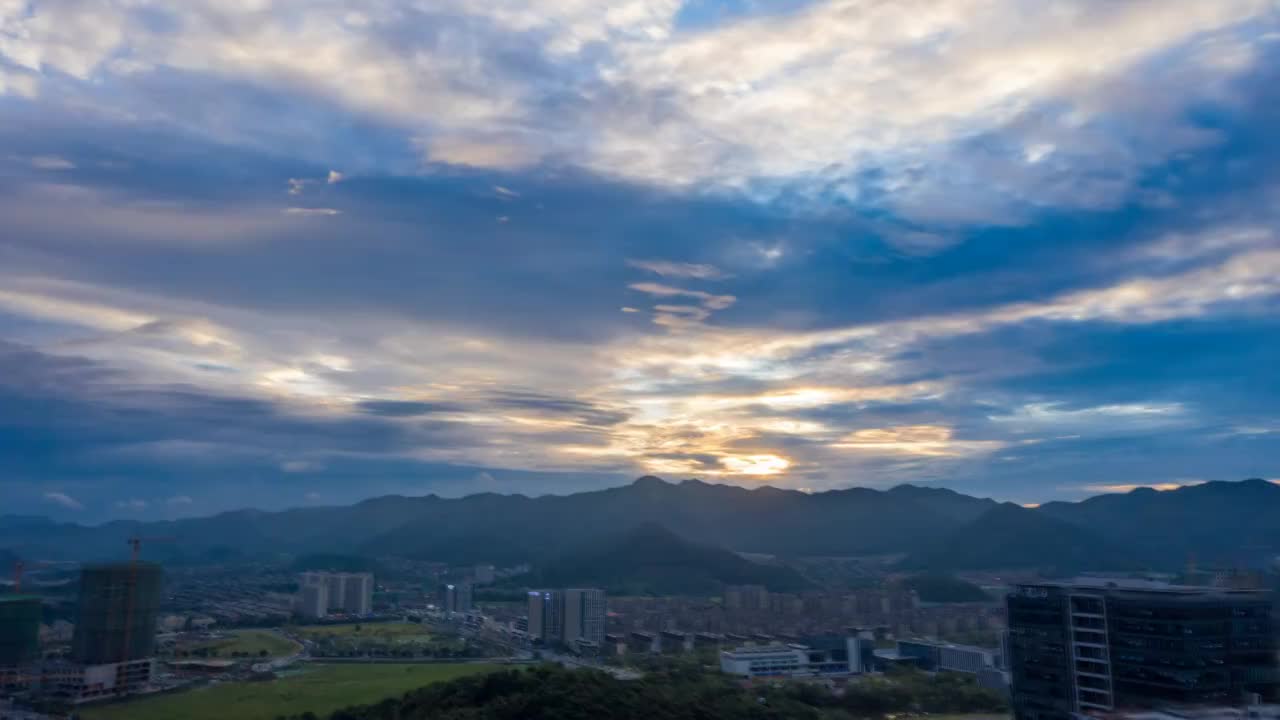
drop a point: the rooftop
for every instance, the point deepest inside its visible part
(764, 649)
(1139, 585)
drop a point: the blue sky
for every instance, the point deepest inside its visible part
(275, 253)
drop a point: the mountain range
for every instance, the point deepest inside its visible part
(931, 528)
(652, 560)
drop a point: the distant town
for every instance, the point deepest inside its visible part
(82, 639)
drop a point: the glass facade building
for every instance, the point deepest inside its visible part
(1093, 647)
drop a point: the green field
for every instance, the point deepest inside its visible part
(321, 689)
(251, 642)
(363, 631)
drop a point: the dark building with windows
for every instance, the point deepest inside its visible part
(19, 630)
(116, 619)
(1092, 646)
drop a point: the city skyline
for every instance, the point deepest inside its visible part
(257, 256)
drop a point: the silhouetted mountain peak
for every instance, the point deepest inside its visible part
(650, 558)
(651, 532)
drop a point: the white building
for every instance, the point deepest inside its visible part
(765, 661)
(337, 583)
(313, 600)
(358, 597)
(965, 658)
(320, 593)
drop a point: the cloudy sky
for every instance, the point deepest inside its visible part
(286, 252)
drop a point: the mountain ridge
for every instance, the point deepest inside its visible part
(1232, 520)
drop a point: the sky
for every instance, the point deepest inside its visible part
(278, 253)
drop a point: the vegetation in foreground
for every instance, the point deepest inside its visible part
(682, 692)
(319, 691)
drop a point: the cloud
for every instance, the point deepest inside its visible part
(1130, 487)
(710, 301)
(667, 268)
(132, 505)
(898, 104)
(335, 177)
(301, 466)
(407, 408)
(179, 501)
(938, 233)
(1056, 417)
(51, 162)
(63, 499)
(925, 440)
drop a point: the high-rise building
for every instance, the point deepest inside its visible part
(584, 615)
(19, 630)
(746, 597)
(567, 616)
(313, 600)
(116, 618)
(1092, 646)
(484, 574)
(546, 615)
(455, 597)
(350, 593)
(337, 590)
(359, 594)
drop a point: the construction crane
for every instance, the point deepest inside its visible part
(135, 548)
(20, 567)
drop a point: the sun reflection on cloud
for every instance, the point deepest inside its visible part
(924, 440)
(755, 464)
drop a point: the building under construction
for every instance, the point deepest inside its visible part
(116, 620)
(19, 630)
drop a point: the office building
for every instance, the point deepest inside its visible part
(949, 657)
(1094, 646)
(830, 655)
(117, 614)
(584, 615)
(19, 630)
(766, 661)
(454, 598)
(1248, 712)
(564, 617)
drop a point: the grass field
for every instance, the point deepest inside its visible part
(363, 631)
(252, 642)
(321, 689)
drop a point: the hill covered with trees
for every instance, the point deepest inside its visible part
(680, 692)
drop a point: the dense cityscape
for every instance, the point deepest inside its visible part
(110, 639)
